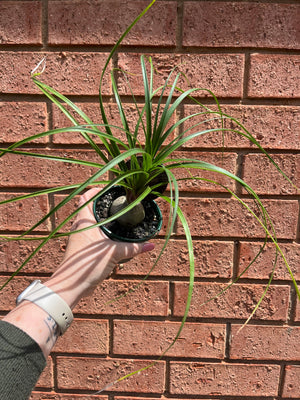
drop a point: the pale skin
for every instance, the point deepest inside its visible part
(89, 259)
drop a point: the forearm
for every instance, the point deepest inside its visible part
(89, 259)
(36, 323)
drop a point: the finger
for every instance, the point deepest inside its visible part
(127, 251)
(125, 260)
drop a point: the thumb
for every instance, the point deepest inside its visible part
(133, 250)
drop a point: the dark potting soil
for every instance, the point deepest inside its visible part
(143, 230)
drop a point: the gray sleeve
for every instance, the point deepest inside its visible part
(21, 363)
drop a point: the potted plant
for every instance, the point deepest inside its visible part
(143, 165)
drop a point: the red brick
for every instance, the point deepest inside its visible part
(23, 214)
(144, 398)
(212, 259)
(61, 396)
(224, 379)
(271, 181)
(20, 22)
(20, 120)
(215, 24)
(45, 261)
(274, 76)
(291, 382)
(84, 336)
(226, 161)
(59, 120)
(64, 212)
(95, 373)
(220, 73)
(46, 379)
(236, 303)
(225, 217)
(265, 343)
(69, 73)
(37, 172)
(196, 340)
(134, 398)
(274, 127)
(107, 20)
(262, 268)
(92, 110)
(297, 316)
(151, 298)
(9, 294)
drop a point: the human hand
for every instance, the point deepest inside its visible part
(90, 256)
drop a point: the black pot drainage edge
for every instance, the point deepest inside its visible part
(142, 232)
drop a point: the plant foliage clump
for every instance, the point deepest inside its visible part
(145, 161)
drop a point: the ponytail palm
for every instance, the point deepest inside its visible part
(145, 162)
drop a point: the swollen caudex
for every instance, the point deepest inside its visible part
(131, 217)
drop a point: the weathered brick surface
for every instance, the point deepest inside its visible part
(254, 342)
(20, 22)
(64, 211)
(274, 76)
(85, 336)
(46, 260)
(223, 218)
(23, 214)
(46, 379)
(9, 294)
(196, 340)
(221, 73)
(213, 259)
(92, 110)
(291, 382)
(267, 183)
(95, 373)
(274, 127)
(236, 303)
(107, 19)
(150, 299)
(150, 398)
(41, 172)
(59, 120)
(226, 161)
(132, 398)
(61, 396)
(69, 73)
(243, 25)
(24, 119)
(262, 268)
(225, 379)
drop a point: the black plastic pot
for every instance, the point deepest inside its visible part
(142, 232)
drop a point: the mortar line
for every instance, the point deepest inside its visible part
(44, 27)
(281, 380)
(179, 27)
(227, 341)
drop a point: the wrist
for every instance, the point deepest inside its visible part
(69, 289)
(49, 301)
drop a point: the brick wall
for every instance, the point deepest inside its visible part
(248, 54)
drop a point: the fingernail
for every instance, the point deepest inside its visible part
(147, 247)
